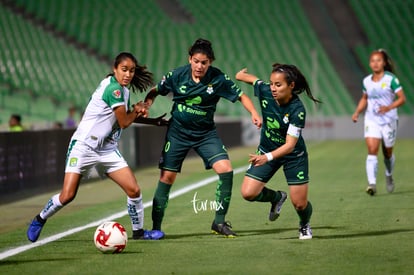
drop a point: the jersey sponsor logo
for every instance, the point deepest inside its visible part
(116, 93)
(264, 103)
(301, 115)
(210, 89)
(272, 123)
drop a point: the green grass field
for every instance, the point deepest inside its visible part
(353, 232)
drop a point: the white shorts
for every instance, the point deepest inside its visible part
(82, 159)
(386, 132)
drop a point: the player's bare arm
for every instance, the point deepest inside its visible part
(282, 151)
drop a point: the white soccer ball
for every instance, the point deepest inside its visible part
(110, 237)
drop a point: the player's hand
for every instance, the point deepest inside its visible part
(383, 109)
(355, 117)
(257, 160)
(141, 109)
(257, 120)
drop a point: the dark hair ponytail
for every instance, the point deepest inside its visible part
(202, 46)
(142, 78)
(389, 66)
(293, 74)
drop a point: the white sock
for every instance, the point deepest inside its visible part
(372, 167)
(51, 207)
(136, 212)
(389, 165)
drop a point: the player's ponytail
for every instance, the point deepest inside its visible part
(293, 74)
(142, 79)
(202, 46)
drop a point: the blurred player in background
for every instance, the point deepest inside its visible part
(15, 123)
(382, 95)
(95, 142)
(281, 143)
(196, 89)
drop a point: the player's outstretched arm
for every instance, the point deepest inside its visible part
(246, 77)
(150, 98)
(249, 106)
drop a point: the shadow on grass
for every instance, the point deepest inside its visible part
(275, 231)
(363, 234)
(17, 262)
(242, 233)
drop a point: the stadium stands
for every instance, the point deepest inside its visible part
(389, 25)
(251, 34)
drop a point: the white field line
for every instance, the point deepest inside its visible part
(179, 192)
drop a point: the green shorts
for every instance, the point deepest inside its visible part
(206, 144)
(296, 170)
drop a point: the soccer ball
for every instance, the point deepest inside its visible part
(110, 237)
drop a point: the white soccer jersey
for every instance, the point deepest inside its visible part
(381, 93)
(99, 128)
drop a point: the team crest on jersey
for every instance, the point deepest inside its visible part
(116, 93)
(73, 162)
(286, 119)
(210, 89)
(383, 85)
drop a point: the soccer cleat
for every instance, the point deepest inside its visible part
(142, 234)
(223, 229)
(371, 189)
(390, 184)
(305, 232)
(277, 207)
(35, 227)
(138, 234)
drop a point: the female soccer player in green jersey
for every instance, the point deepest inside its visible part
(382, 95)
(281, 143)
(196, 89)
(94, 144)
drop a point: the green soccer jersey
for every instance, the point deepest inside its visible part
(276, 120)
(195, 103)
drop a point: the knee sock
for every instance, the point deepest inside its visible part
(372, 167)
(159, 204)
(305, 214)
(268, 195)
(136, 212)
(223, 196)
(51, 207)
(389, 165)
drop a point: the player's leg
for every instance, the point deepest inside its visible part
(175, 150)
(297, 176)
(303, 207)
(214, 155)
(125, 178)
(389, 137)
(54, 204)
(254, 189)
(78, 161)
(373, 138)
(161, 197)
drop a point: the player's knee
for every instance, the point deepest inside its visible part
(299, 205)
(248, 196)
(134, 192)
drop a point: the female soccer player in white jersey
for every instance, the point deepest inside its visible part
(95, 142)
(382, 95)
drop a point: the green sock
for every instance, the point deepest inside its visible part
(305, 214)
(268, 195)
(159, 204)
(223, 196)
